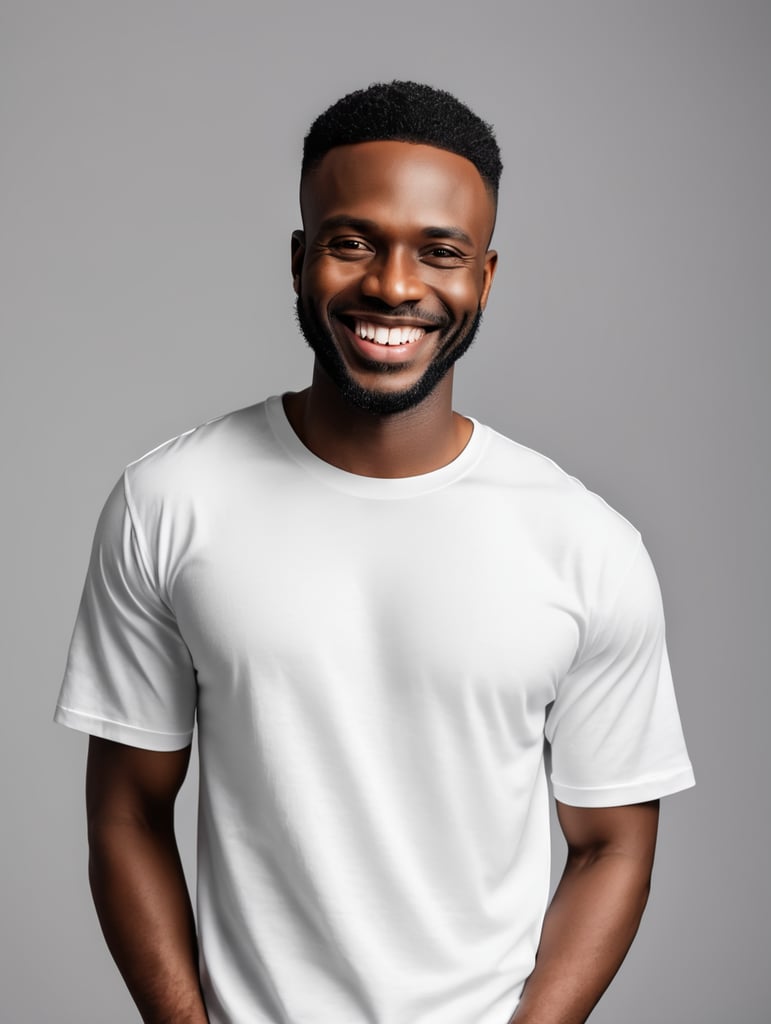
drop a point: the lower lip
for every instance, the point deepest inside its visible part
(373, 352)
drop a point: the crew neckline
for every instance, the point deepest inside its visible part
(373, 486)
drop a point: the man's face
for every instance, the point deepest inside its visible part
(392, 270)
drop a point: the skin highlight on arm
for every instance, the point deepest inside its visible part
(595, 912)
(137, 880)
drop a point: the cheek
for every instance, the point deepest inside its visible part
(322, 282)
(463, 292)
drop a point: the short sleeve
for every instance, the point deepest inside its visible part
(129, 674)
(614, 726)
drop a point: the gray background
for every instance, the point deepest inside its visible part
(150, 158)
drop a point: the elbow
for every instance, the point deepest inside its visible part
(627, 873)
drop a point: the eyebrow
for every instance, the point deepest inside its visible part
(344, 220)
(448, 232)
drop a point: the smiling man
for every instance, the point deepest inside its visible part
(380, 612)
(387, 336)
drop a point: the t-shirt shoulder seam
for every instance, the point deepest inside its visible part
(135, 463)
(618, 589)
(627, 572)
(144, 551)
(574, 480)
(177, 437)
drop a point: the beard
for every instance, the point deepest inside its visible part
(383, 403)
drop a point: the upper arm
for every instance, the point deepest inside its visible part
(130, 676)
(614, 726)
(628, 830)
(130, 784)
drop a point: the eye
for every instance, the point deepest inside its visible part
(348, 248)
(444, 256)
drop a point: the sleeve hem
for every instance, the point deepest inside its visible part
(131, 735)
(631, 793)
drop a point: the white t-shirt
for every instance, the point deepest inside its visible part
(374, 664)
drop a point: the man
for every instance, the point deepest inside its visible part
(379, 610)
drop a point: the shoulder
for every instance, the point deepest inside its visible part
(556, 507)
(199, 459)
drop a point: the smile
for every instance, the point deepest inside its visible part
(382, 335)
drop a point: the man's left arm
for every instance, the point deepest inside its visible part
(595, 911)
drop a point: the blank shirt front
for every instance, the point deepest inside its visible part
(374, 665)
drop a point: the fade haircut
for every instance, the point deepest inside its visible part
(406, 112)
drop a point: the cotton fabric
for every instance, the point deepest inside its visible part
(375, 666)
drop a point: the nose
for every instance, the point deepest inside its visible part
(394, 278)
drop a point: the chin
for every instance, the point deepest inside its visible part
(371, 400)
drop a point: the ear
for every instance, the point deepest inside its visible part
(488, 273)
(298, 255)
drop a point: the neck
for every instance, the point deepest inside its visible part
(409, 443)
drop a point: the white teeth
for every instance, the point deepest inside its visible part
(387, 336)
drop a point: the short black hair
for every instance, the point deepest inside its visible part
(406, 112)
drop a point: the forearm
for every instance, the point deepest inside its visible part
(587, 932)
(143, 905)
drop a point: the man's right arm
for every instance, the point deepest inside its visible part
(137, 879)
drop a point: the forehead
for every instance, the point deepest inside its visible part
(398, 182)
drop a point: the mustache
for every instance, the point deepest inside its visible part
(407, 310)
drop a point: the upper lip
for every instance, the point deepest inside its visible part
(390, 321)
